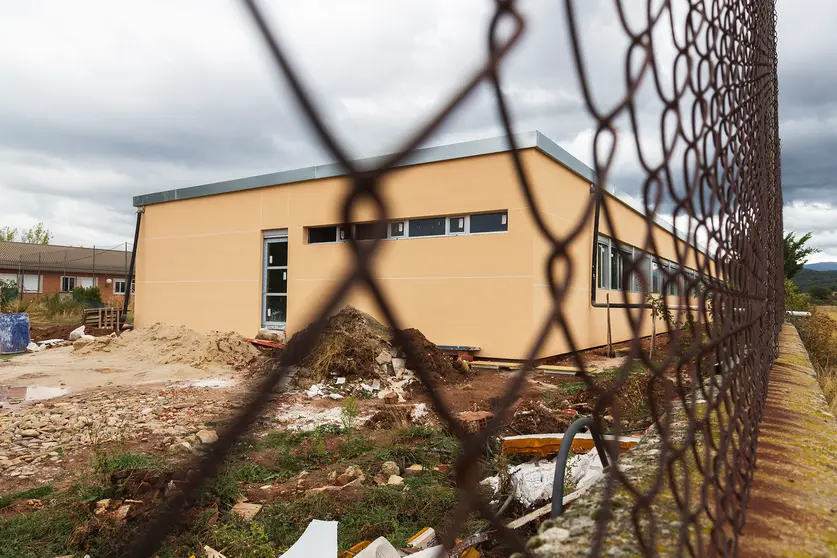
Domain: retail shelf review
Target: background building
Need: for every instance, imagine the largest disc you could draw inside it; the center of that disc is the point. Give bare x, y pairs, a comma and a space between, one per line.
45, 269
462, 259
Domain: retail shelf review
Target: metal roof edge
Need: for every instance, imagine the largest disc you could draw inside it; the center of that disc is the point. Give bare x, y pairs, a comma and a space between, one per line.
424, 155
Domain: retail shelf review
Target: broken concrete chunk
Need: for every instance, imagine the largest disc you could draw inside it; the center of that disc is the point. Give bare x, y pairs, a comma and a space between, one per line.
390, 468
399, 364
395, 480
413, 470
246, 510
383, 357
212, 553
122, 512
33, 347
271, 335
207, 437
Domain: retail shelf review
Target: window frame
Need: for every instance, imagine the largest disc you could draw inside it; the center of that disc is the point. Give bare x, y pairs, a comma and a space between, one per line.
68, 277
40, 287
266, 267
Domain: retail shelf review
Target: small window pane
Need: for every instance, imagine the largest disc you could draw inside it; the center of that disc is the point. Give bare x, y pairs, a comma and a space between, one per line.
344, 233
318, 235
396, 229
615, 270
31, 283
427, 227
602, 266
277, 254
489, 222
276, 308
68, 284
119, 287
277, 281
457, 224
655, 276
370, 231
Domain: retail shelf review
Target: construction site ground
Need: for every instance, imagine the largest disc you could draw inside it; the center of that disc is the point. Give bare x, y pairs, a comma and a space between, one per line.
113, 409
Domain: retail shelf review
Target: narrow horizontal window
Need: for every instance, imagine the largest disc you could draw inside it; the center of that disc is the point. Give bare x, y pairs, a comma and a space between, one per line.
319, 235
489, 222
434, 226
371, 231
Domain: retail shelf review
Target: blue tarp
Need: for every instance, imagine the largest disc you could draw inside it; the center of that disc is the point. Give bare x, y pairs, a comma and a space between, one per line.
14, 333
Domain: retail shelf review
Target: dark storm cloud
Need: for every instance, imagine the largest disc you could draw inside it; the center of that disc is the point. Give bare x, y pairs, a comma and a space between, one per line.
103, 101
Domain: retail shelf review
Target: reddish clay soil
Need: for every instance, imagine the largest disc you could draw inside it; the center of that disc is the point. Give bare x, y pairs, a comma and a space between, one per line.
42, 333
428, 357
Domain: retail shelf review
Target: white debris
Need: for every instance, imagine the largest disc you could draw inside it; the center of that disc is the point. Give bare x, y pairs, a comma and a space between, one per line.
319, 539
586, 469
214, 383
335, 396
51, 342
533, 481
340, 380
303, 417
380, 548
418, 412
77, 333
315, 391
33, 347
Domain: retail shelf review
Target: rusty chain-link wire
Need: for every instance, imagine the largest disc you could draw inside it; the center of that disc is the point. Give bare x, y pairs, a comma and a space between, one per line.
719, 173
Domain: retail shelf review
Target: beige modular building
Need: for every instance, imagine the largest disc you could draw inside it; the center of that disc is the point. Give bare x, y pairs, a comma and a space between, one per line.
461, 260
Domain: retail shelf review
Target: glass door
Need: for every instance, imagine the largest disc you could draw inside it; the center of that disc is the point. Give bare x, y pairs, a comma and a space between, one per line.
275, 283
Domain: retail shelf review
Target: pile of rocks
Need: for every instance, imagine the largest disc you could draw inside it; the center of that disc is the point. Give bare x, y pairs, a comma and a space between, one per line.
35, 439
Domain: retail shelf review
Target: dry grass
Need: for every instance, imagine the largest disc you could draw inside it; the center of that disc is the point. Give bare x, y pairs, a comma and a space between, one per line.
53, 309
348, 347
819, 334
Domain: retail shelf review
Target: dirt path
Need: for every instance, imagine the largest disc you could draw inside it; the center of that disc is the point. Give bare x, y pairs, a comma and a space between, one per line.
61, 368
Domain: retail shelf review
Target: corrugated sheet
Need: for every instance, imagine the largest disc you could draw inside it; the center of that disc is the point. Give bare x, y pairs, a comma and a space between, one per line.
39, 257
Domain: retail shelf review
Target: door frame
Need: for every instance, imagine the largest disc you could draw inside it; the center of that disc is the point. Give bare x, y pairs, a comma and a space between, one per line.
268, 238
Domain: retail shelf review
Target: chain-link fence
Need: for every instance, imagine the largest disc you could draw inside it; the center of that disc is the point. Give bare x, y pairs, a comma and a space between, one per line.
718, 173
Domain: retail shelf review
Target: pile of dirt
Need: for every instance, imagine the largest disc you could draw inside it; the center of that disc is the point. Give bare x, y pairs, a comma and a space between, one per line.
165, 344
38, 333
348, 347
428, 357
354, 345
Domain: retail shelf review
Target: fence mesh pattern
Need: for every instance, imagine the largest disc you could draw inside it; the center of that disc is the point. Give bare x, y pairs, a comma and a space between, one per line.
714, 164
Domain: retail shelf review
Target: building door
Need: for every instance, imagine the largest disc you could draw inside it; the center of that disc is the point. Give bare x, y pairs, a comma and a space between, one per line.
275, 282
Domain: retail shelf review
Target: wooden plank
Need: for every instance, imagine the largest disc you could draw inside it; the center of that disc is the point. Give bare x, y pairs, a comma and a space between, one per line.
495, 365
548, 444
550, 368
547, 509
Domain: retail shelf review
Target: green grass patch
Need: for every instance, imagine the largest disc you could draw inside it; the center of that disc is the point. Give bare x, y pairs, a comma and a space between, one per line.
107, 462
39, 492
38, 534
354, 447
384, 511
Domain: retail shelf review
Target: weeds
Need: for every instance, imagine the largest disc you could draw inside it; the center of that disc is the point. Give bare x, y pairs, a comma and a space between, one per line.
819, 335
349, 412
52, 308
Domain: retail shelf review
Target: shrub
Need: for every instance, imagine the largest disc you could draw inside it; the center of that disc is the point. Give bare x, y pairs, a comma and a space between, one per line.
8, 291
88, 296
794, 299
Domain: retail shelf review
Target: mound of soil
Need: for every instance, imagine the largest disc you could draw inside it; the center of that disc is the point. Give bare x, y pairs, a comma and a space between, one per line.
424, 355
39, 333
348, 347
165, 344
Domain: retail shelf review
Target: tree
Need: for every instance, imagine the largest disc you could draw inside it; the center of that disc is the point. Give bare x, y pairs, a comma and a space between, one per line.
796, 253
820, 293
7, 234
36, 235
794, 299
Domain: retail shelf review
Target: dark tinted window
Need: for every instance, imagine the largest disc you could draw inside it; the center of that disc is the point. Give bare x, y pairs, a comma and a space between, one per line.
318, 235
277, 253
370, 231
457, 224
489, 222
396, 229
427, 227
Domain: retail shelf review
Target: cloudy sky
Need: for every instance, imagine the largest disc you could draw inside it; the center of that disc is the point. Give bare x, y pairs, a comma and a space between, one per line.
105, 100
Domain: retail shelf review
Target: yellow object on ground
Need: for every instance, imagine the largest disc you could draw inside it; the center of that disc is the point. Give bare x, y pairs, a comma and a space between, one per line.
549, 444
